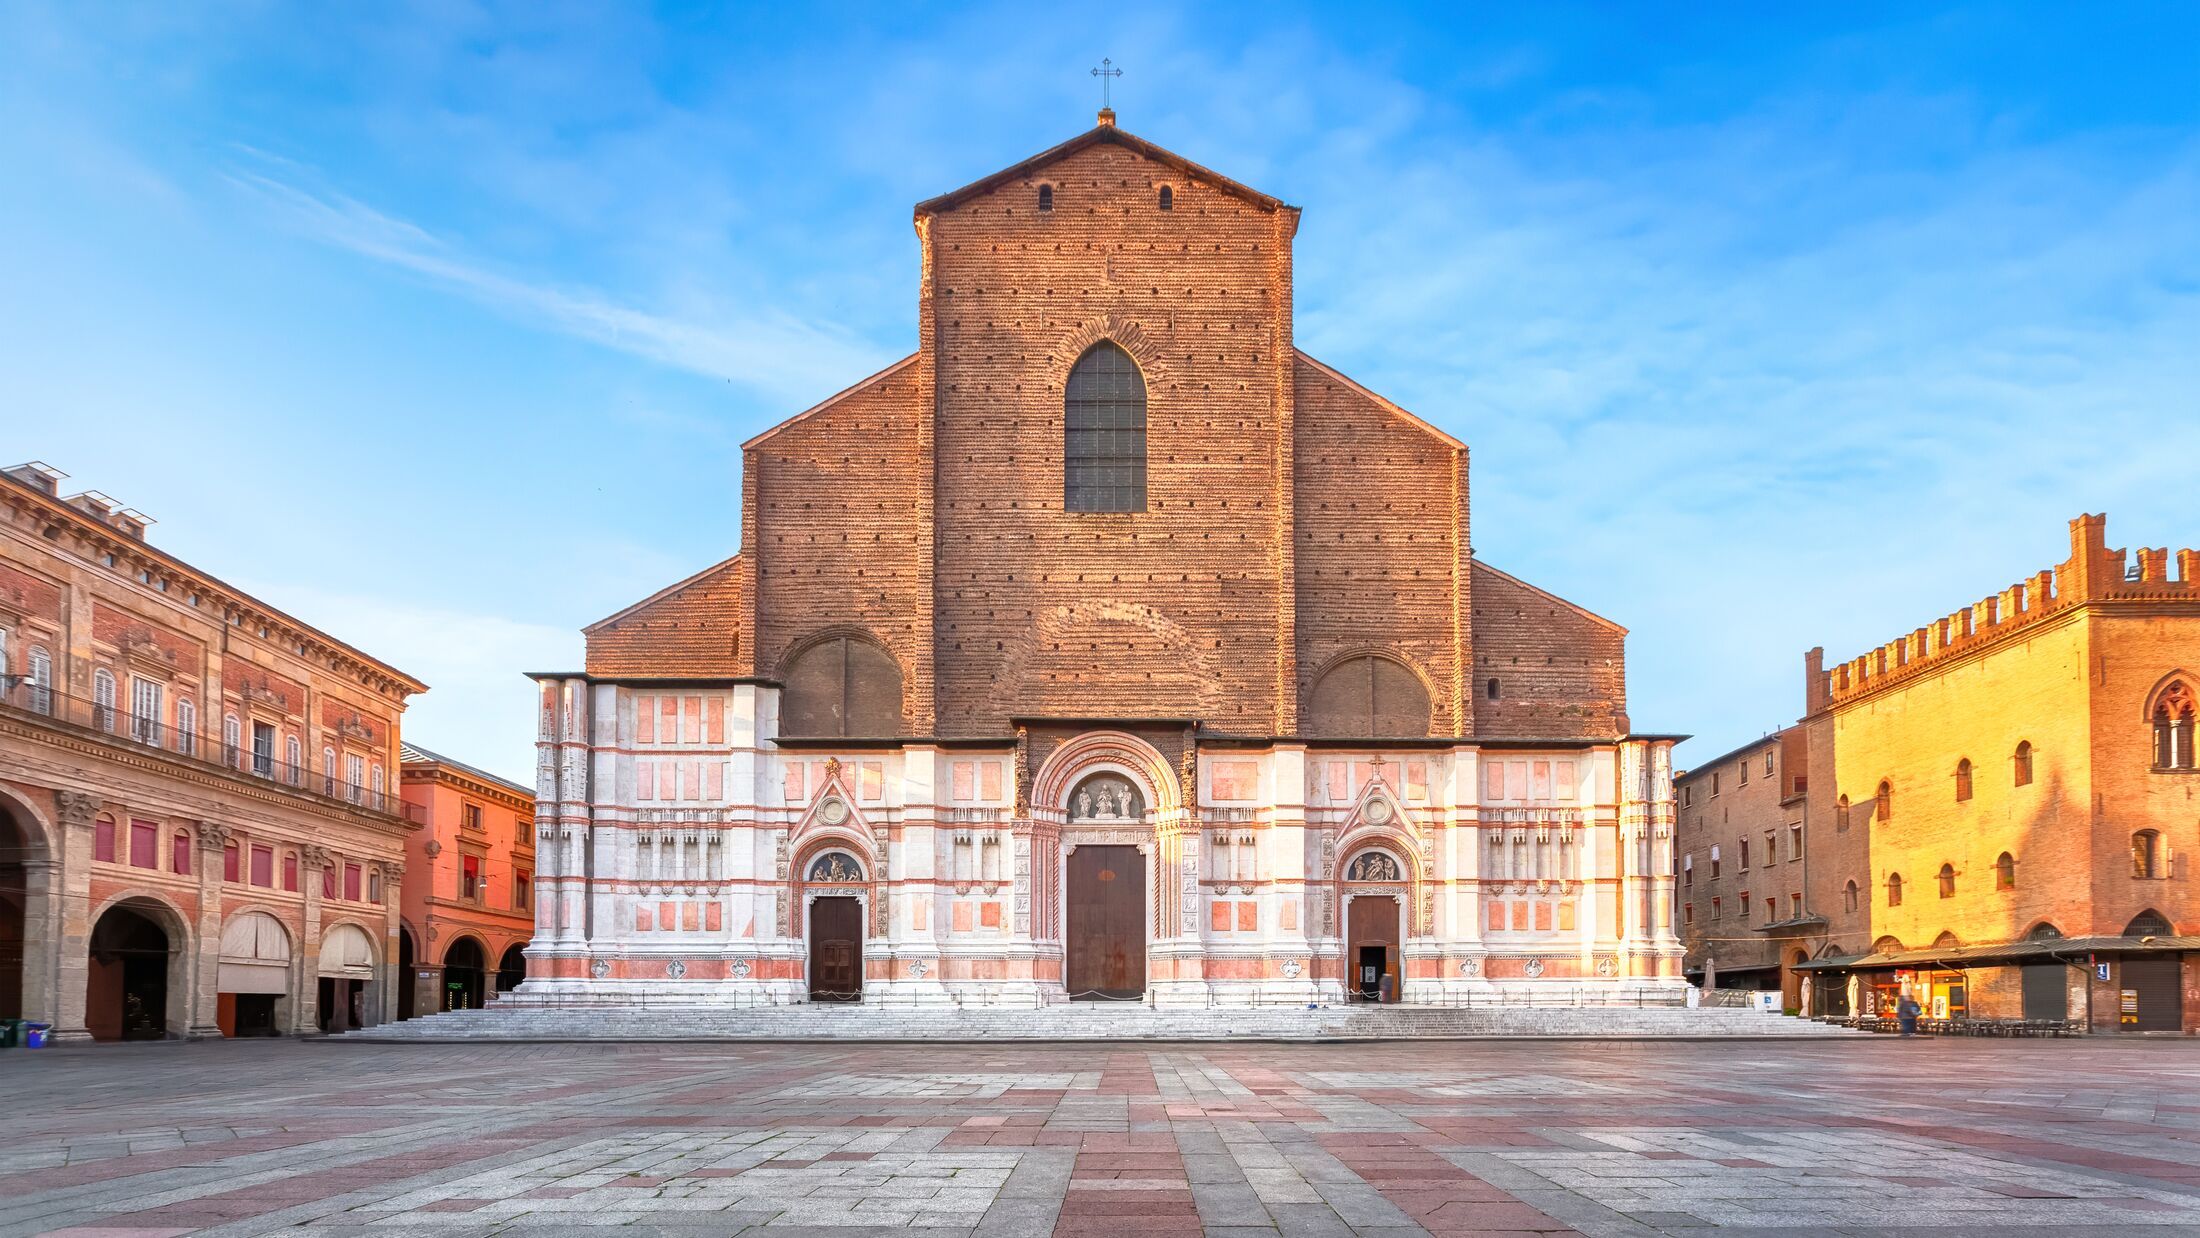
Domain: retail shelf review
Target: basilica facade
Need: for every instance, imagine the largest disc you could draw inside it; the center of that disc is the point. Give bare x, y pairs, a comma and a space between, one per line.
1107, 647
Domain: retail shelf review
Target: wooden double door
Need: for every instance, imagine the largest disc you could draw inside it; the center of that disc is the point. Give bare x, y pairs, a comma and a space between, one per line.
1106, 921
836, 949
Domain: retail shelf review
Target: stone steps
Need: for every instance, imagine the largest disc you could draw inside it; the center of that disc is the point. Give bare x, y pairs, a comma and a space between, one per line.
1080, 1021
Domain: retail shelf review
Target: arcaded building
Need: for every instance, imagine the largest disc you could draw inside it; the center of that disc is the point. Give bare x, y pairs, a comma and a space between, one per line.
469, 908
1107, 646
200, 833
2010, 803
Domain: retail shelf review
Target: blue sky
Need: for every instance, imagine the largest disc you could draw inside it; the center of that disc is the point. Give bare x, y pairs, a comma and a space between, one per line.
1769, 326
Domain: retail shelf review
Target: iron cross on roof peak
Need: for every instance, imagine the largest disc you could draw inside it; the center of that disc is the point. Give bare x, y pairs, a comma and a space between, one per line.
1105, 73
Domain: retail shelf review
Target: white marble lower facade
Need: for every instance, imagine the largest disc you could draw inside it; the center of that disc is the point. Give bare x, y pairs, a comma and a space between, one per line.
684, 854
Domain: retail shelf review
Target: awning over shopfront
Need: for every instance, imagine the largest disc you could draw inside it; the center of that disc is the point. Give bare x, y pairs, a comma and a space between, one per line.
1957, 958
255, 956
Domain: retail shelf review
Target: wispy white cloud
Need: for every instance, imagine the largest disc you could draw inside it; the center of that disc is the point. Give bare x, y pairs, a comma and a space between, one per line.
774, 354
479, 708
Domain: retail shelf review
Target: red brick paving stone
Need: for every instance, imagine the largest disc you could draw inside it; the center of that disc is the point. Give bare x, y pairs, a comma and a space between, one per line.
2023, 1192
846, 1156
1741, 1162
1436, 1194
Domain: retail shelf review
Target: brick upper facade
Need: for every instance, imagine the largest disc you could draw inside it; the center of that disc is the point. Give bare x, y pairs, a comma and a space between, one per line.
1293, 518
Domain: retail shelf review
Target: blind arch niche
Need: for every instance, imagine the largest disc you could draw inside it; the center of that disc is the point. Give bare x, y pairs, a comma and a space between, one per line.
841, 685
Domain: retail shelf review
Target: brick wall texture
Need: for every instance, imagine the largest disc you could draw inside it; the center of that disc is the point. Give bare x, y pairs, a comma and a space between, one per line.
1293, 518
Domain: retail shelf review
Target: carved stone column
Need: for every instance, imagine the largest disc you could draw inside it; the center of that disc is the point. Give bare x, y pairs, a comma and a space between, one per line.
305, 1005
72, 967
380, 1005
206, 964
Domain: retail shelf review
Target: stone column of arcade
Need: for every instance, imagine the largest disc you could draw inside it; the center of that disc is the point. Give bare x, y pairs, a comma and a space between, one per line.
380, 1005
73, 961
205, 996
305, 1000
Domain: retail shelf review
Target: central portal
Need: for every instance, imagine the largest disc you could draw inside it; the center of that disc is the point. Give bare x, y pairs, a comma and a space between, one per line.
1373, 956
1107, 924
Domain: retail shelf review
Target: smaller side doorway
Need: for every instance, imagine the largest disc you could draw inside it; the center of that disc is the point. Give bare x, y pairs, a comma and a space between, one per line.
836, 949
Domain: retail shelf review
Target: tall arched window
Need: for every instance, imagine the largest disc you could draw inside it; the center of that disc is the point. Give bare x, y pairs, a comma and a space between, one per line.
2005, 872
2173, 727
1841, 814
842, 685
2146, 853
1963, 780
1168, 198
1104, 433
2023, 761
1848, 896
103, 699
1883, 801
1046, 197
1947, 881
41, 680
1894, 889
1368, 697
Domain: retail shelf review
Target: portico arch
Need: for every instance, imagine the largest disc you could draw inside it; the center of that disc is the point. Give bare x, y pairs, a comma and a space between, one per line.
138, 973
26, 911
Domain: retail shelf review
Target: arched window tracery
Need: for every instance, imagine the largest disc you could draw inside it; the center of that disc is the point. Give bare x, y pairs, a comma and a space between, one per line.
2173, 719
1104, 433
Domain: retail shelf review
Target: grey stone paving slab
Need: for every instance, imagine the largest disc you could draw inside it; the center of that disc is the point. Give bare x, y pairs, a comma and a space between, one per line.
1614, 1141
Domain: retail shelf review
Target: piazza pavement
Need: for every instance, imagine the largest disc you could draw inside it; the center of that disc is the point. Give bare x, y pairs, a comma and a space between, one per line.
1230, 1140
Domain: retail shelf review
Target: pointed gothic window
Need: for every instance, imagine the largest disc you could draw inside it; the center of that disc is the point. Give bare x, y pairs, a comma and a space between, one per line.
2173, 711
1963, 780
1894, 889
2024, 764
1883, 806
1104, 436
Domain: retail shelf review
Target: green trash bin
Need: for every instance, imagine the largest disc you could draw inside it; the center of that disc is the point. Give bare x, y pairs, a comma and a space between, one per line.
11, 1033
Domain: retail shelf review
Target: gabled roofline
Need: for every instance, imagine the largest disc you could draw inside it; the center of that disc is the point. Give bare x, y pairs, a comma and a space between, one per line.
413, 754
1575, 607
1093, 136
1379, 398
831, 400
665, 592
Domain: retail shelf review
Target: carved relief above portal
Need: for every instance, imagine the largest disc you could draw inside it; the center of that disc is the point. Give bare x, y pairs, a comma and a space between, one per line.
1106, 798
835, 868
1374, 866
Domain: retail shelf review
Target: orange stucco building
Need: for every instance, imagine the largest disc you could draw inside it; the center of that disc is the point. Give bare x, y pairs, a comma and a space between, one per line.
469, 908
2000, 808
197, 832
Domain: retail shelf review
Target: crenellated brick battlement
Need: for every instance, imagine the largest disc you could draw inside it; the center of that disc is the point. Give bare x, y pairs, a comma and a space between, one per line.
2093, 574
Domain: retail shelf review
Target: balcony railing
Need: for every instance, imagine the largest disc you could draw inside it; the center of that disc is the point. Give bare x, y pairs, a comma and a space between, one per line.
197, 747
